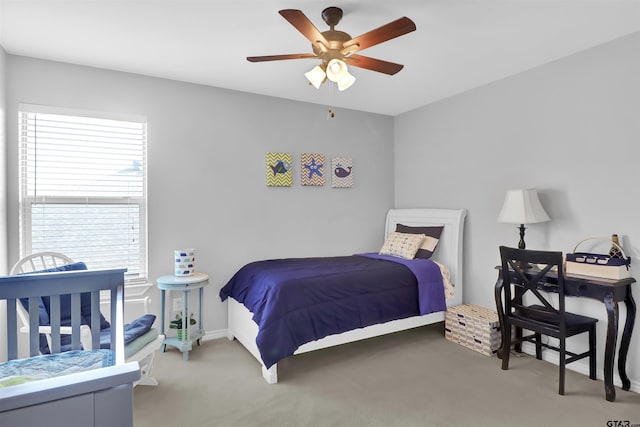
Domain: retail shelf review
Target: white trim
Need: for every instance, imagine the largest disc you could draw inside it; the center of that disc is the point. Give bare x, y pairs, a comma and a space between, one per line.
81, 112
135, 291
214, 335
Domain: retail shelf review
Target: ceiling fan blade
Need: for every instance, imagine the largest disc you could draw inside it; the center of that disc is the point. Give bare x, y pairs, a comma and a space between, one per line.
389, 31
280, 57
373, 64
300, 21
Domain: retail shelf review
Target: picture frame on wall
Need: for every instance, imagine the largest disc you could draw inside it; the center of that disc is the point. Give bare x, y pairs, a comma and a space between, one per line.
312, 169
279, 169
342, 172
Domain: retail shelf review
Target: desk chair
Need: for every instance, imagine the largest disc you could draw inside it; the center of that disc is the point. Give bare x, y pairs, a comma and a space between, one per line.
142, 349
542, 319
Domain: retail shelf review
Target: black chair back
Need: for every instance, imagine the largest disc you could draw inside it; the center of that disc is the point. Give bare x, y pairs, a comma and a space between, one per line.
527, 279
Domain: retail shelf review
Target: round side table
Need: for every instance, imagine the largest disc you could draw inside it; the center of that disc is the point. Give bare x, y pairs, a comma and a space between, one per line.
184, 284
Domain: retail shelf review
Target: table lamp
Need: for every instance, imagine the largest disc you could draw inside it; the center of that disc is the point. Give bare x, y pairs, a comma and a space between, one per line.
522, 207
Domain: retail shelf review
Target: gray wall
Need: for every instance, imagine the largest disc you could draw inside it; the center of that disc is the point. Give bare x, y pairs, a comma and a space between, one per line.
207, 169
569, 128
3, 194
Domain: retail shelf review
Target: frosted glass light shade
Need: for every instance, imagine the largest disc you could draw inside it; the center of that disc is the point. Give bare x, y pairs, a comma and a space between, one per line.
336, 70
522, 207
346, 82
316, 76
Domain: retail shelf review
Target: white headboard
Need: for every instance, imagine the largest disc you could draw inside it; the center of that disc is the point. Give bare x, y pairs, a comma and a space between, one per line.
449, 249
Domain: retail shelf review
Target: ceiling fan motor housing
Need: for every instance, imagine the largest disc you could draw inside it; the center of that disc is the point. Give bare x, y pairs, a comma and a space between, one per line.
336, 40
332, 15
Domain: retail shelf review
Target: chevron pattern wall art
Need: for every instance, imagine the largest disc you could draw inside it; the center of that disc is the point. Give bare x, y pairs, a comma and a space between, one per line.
312, 169
341, 172
279, 169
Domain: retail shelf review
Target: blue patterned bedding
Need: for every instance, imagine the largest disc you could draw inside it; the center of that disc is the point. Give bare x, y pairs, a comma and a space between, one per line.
299, 300
19, 371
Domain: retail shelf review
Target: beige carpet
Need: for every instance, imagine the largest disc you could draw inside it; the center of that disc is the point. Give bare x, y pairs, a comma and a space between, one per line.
411, 378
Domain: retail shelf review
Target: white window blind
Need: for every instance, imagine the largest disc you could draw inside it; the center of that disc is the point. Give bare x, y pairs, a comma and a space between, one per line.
83, 189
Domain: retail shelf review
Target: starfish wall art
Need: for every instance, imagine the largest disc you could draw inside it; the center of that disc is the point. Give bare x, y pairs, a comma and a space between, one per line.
312, 169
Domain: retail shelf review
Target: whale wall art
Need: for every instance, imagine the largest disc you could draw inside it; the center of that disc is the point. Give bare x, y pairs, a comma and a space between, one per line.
342, 172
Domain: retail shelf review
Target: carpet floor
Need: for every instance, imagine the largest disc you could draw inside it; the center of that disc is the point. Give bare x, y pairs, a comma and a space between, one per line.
410, 378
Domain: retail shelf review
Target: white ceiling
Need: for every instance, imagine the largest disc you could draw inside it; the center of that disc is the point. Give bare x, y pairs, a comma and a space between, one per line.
458, 44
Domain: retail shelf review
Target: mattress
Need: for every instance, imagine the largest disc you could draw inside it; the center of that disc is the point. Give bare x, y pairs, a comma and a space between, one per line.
19, 371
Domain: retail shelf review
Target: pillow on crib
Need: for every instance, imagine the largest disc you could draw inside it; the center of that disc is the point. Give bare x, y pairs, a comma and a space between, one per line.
402, 245
65, 306
65, 300
44, 309
430, 242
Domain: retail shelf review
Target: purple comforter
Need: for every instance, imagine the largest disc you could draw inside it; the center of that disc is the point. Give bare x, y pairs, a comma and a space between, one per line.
298, 300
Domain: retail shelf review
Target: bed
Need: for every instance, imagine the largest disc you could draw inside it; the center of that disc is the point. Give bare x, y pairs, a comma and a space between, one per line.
243, 321
89, 388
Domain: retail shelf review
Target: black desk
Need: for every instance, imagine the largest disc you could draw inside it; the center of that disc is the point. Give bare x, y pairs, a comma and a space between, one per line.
608, 291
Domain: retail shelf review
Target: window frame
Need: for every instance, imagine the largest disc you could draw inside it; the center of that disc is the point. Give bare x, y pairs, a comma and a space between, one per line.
27, 202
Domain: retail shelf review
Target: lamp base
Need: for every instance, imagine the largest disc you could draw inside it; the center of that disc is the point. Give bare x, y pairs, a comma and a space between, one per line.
521, 245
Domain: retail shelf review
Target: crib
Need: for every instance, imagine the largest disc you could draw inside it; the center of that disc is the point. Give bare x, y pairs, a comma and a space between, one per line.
97, 389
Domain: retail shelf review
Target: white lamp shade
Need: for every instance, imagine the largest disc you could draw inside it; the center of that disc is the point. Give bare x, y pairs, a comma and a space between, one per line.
346, 82
316, 76
522, 207
336, 70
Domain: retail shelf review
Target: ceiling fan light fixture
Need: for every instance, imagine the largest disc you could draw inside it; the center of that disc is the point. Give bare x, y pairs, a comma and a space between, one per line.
316, 76
334, 47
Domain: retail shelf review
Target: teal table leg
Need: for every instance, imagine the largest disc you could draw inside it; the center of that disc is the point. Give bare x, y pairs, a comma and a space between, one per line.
200, 326
186, 316
162, 301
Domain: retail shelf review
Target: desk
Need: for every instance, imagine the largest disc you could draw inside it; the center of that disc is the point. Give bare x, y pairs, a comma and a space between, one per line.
608, 291
184, 284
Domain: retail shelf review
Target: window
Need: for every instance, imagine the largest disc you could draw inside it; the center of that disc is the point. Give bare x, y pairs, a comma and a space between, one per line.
83, 188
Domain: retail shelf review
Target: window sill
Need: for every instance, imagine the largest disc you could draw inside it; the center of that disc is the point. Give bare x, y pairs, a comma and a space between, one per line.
136, 291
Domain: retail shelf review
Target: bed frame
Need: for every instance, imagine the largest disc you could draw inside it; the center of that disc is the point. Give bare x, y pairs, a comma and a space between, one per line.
449, 252
101, 397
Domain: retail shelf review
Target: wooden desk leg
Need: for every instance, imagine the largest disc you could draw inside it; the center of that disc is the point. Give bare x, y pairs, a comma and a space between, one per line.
500, 309
626, 339
610, 347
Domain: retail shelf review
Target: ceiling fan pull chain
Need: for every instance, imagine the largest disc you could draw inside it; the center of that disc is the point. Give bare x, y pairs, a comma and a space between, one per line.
331, 113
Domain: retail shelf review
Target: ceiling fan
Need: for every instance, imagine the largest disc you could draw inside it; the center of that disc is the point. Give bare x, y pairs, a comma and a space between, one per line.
336, 48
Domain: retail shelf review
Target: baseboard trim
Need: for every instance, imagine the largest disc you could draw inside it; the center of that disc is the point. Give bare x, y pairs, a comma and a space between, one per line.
214, 335
580, 366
